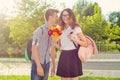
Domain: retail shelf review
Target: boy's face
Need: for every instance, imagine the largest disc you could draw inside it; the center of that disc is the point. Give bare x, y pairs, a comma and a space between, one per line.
54, 18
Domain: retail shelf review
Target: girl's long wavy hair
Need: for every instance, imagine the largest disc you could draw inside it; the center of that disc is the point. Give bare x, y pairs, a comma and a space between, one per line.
72, 19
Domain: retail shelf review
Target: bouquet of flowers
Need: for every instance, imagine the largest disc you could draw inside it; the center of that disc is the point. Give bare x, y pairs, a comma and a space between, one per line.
55, 31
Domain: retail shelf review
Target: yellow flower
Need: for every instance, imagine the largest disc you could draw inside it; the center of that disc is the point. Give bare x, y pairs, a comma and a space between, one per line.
55, 31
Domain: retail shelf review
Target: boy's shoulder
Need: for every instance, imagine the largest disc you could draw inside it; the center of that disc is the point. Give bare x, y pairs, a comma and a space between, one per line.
39, 29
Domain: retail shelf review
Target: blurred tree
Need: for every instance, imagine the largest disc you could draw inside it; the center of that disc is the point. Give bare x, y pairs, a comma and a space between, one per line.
30, 16
114, 18
112, 32
5, 42
88, 10
112, 35
94, 25
79, 6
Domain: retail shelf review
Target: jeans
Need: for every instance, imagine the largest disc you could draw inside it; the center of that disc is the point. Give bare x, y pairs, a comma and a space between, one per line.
35, 76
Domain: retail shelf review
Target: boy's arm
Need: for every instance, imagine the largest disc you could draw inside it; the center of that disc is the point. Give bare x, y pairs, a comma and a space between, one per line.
35, 44
40, 71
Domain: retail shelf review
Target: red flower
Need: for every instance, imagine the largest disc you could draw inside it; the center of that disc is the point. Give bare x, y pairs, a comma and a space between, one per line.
50, 32
55, 31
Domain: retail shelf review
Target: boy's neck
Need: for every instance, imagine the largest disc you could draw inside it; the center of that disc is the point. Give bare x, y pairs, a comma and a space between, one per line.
50, 24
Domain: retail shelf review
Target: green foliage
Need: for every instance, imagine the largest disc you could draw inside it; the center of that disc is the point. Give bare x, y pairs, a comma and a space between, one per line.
88, 10
83, 8
97, 9
29, 18
4, 34
108, 46
79, 6
98, 78
15, 32
20, 30
14, 77
111, 33
55, 78
114, 18
10, 51
94, 26
91, 20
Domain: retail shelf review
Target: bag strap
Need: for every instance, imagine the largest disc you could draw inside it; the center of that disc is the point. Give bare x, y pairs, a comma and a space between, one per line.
42, 30
47, 46
75, 45
42, 33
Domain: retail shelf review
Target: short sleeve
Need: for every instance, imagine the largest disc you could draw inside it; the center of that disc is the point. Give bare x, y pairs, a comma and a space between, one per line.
37, 36
78, 30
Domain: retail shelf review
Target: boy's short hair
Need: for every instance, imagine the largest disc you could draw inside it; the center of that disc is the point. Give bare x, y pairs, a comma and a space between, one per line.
50, 12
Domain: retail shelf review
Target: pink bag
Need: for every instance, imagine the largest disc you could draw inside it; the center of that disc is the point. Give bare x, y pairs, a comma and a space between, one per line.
84, 53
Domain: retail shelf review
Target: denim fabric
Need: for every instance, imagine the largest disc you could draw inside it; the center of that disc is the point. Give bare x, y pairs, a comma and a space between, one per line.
34, 75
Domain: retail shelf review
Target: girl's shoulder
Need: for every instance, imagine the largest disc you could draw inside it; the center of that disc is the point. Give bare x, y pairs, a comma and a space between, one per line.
78, 29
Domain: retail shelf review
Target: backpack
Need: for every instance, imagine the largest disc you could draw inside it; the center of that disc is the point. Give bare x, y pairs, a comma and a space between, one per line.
28, 51
84, 53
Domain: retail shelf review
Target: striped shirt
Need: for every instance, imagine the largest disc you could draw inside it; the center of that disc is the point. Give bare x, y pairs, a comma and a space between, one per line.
43, 41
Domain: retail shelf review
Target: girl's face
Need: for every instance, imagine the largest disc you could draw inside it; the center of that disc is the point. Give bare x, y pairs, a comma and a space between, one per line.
65, 17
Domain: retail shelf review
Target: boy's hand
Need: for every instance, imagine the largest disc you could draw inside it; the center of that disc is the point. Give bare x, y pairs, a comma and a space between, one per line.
40, 71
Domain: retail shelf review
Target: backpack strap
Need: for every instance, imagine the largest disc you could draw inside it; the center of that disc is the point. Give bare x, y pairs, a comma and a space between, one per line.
42, 30
42, 33
77, 47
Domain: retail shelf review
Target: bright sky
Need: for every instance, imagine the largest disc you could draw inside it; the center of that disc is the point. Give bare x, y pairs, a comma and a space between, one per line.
108, 5
6, 6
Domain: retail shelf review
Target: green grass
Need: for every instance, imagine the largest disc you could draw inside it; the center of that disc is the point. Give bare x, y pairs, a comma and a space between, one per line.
54, 78
98, 78
14, 78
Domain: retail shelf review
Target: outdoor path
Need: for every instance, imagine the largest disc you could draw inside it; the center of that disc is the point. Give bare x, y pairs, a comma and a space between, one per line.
106, 66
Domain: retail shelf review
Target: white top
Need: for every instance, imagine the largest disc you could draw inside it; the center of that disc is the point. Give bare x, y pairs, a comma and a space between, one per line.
66, 43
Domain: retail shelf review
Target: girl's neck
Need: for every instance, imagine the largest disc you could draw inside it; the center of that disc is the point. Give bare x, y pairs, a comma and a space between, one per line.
67, 26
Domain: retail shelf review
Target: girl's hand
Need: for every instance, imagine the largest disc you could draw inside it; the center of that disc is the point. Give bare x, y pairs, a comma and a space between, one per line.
71, 37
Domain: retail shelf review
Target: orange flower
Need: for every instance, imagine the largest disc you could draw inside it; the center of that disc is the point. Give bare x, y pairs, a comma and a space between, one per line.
55, 31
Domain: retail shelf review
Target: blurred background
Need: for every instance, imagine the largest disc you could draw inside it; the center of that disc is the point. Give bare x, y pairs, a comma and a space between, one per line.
100, 19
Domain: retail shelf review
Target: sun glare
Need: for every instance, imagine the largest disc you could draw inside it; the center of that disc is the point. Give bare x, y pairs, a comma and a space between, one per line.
7, 6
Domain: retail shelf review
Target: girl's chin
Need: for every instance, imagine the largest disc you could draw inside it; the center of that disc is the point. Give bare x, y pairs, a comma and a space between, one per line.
65, 22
